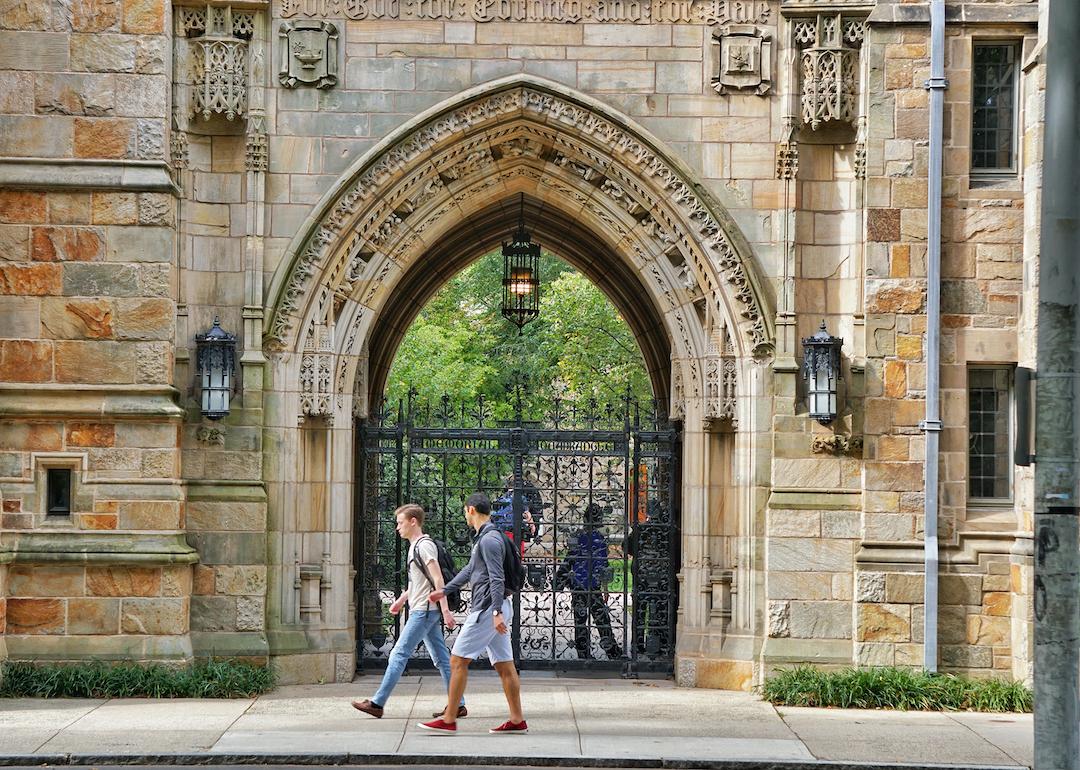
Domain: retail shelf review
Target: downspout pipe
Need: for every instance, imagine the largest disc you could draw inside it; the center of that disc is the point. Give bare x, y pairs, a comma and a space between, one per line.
931, 425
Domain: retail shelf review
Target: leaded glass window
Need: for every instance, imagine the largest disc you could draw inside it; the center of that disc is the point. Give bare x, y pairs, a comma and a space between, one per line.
993, 110
989, 461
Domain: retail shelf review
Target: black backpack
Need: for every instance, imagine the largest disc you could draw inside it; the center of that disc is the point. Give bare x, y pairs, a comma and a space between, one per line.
449, 570
513, 568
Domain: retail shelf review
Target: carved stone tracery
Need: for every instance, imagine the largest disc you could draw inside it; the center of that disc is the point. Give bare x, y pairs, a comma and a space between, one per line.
256, 143
316, 372
219, 38
828, 71
397, 184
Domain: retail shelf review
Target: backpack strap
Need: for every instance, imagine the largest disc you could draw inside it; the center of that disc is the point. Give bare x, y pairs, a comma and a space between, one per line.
420, 562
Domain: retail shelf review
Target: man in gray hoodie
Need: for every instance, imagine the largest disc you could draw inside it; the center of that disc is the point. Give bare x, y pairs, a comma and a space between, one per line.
486, 629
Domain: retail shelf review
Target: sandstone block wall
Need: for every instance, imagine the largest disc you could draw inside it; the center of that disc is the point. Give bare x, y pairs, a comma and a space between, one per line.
87, 319
128, 222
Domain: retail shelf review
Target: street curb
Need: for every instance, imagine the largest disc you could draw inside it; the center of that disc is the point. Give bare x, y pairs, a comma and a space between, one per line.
457, 760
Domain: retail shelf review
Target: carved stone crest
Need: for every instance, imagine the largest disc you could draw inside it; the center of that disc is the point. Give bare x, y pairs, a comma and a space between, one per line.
745, 59
309, 54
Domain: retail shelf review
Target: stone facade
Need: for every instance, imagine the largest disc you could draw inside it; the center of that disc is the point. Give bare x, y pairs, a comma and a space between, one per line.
750, 169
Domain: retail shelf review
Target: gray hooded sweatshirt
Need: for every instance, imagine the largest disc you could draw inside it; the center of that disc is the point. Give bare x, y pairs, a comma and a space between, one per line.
484, 572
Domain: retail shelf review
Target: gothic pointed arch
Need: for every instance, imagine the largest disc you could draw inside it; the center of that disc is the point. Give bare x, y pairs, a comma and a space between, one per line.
563, 149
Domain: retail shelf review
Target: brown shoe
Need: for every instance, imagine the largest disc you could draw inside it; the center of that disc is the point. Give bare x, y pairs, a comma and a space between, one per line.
461, 712
368, 708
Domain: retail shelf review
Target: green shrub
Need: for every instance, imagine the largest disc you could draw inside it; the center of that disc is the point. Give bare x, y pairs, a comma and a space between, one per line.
893, 688
216, 679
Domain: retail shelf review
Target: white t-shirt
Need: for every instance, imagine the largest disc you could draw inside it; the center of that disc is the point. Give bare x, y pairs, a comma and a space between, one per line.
419, 587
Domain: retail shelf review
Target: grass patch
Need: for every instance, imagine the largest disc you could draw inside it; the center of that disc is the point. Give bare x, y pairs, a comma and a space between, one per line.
216, 679
894, 688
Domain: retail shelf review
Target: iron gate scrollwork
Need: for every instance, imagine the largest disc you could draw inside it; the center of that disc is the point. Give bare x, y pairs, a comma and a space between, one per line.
600, 482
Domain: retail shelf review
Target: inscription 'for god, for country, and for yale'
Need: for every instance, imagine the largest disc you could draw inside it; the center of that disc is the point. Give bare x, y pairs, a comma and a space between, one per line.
558, 11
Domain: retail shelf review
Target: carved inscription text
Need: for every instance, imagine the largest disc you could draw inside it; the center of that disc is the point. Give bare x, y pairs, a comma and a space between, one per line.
552, 11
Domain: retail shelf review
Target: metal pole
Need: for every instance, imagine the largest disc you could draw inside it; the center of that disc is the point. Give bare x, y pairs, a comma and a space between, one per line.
931, 426
1057, 419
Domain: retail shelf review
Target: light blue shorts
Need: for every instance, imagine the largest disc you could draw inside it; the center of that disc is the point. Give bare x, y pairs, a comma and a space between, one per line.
478, 636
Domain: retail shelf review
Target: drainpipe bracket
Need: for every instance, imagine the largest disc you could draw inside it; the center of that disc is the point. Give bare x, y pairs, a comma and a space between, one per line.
936, 83
930, 425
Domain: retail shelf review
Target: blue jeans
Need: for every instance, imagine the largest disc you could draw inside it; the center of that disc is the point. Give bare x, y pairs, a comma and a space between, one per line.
422, 625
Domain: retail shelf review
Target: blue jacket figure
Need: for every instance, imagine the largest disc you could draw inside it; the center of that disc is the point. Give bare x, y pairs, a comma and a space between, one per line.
588, 559
587, 571
502, 512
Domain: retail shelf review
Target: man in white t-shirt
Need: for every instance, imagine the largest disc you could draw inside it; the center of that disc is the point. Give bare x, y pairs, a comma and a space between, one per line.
425, 577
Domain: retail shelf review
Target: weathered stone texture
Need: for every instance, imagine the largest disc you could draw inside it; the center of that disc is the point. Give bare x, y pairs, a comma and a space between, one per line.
35, 616
162, 616
87, 434
94, 616
884, 622
123, 581
45, 581
820, 620
104, 362
25, 361
29, 280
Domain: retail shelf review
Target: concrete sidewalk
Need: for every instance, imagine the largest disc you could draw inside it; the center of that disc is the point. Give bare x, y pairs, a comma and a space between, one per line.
571, 721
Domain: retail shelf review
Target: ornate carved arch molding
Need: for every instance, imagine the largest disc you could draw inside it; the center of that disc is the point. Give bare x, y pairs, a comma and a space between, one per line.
415, 178
566, 203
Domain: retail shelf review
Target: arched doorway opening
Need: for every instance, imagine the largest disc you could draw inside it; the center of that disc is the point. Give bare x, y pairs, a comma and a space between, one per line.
614, 202
585, 483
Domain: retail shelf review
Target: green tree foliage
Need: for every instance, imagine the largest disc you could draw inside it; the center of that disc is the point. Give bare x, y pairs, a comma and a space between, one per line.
460, 345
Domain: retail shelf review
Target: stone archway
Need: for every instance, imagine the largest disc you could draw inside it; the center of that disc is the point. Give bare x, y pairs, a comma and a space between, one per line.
390, 233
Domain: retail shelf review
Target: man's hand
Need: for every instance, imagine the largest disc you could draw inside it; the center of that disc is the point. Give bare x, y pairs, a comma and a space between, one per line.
449, 620
436, 596
395, 608
500, 623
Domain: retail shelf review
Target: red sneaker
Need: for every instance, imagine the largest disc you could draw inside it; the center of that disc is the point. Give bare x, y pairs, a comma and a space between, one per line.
510, 727
438, 726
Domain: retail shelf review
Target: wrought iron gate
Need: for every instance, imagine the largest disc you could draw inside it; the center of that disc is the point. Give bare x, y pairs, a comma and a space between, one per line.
601, 485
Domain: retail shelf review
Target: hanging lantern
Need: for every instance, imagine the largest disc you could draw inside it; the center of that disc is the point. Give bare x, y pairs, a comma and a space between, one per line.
521, 275
821, 371
215, 368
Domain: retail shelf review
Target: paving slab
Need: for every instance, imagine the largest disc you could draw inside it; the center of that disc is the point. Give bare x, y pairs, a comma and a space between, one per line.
135, 726
890, 736
27, 724
1012, 733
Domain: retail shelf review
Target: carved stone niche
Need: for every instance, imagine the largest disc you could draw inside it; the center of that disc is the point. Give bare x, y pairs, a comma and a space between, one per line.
219, 38
745, 59
828, 68
309, 54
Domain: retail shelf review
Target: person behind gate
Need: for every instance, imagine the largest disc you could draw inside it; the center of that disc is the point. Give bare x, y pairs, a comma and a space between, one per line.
425, 576
486, 629
587, 572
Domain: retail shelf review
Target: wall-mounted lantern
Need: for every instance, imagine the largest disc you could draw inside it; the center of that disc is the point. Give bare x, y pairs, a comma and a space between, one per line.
521, 275
821, 371
215, 368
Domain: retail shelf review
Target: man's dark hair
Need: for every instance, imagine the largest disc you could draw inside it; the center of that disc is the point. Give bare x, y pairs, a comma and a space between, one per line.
480, 502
